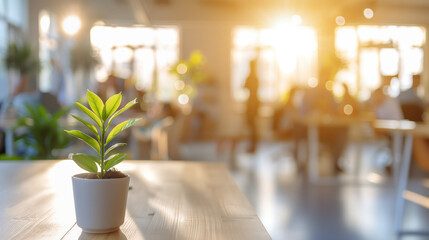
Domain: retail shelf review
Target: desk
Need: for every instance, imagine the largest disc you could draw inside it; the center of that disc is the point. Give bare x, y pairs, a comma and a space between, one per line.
167, 200
313, 124
404, 152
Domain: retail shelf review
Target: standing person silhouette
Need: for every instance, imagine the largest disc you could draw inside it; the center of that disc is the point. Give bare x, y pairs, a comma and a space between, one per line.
252, 104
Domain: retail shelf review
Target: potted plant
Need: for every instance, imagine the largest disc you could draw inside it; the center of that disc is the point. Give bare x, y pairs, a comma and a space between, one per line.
20, 58
101, 195
39, 132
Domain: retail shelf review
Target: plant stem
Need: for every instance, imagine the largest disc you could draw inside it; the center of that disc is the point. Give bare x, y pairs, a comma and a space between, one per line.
103, 131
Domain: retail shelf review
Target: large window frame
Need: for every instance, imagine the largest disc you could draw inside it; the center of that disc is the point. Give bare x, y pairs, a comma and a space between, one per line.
144, 54
371, 51
11, 30
287, 56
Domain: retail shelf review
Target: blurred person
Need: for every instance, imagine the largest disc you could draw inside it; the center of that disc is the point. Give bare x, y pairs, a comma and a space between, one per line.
411, 103
285, 124
252, 104
159, 111
153, 136
319, 102
284, 115
386, 108
413, 107
349, 106
383, 105
166, 132
112, 85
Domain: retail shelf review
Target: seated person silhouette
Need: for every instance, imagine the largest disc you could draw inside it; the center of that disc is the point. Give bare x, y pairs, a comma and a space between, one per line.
412, 104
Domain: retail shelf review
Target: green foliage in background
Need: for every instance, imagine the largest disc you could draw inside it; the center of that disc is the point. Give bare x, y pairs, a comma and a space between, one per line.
40, 132
191, 72
21, 57
102, 115
195, 72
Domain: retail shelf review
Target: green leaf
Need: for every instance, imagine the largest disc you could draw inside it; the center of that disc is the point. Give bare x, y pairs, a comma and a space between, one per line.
126, 107
95, 103
88, 125
91, 157
113, 160
85, 161
121, 127
89, 113
113, 147
87, 139
112, 104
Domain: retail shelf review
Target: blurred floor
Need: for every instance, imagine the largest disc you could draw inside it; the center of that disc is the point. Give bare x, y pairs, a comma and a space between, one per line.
292, 208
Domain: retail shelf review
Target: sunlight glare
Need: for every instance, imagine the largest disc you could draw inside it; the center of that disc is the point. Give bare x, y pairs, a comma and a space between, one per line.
296, 19
291, 42
123, 54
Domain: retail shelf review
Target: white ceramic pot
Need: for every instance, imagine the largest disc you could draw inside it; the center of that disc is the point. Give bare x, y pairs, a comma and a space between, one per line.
100, 203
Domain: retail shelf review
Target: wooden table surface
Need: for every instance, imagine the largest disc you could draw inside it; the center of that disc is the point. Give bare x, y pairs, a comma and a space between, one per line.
167, 200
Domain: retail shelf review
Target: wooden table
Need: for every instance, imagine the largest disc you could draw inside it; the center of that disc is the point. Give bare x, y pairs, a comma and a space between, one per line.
403, 152
167, 200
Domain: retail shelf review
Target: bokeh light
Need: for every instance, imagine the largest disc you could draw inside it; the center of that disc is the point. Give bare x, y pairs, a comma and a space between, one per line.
348, 109
329, 85
312, 82
179, 85
368, 13
183, 99
71, 24
182, 68
340, 20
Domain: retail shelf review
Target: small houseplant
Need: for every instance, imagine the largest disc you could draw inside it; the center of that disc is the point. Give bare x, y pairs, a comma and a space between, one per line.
100, 196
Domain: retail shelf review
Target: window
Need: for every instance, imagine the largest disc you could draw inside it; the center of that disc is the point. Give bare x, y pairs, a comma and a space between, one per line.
48, 41
142, 53
12, 20
15, 12
286, 55
373, 51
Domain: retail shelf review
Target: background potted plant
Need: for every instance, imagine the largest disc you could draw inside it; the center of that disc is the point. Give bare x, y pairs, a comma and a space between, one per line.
100, 196
39, 132
20, 59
